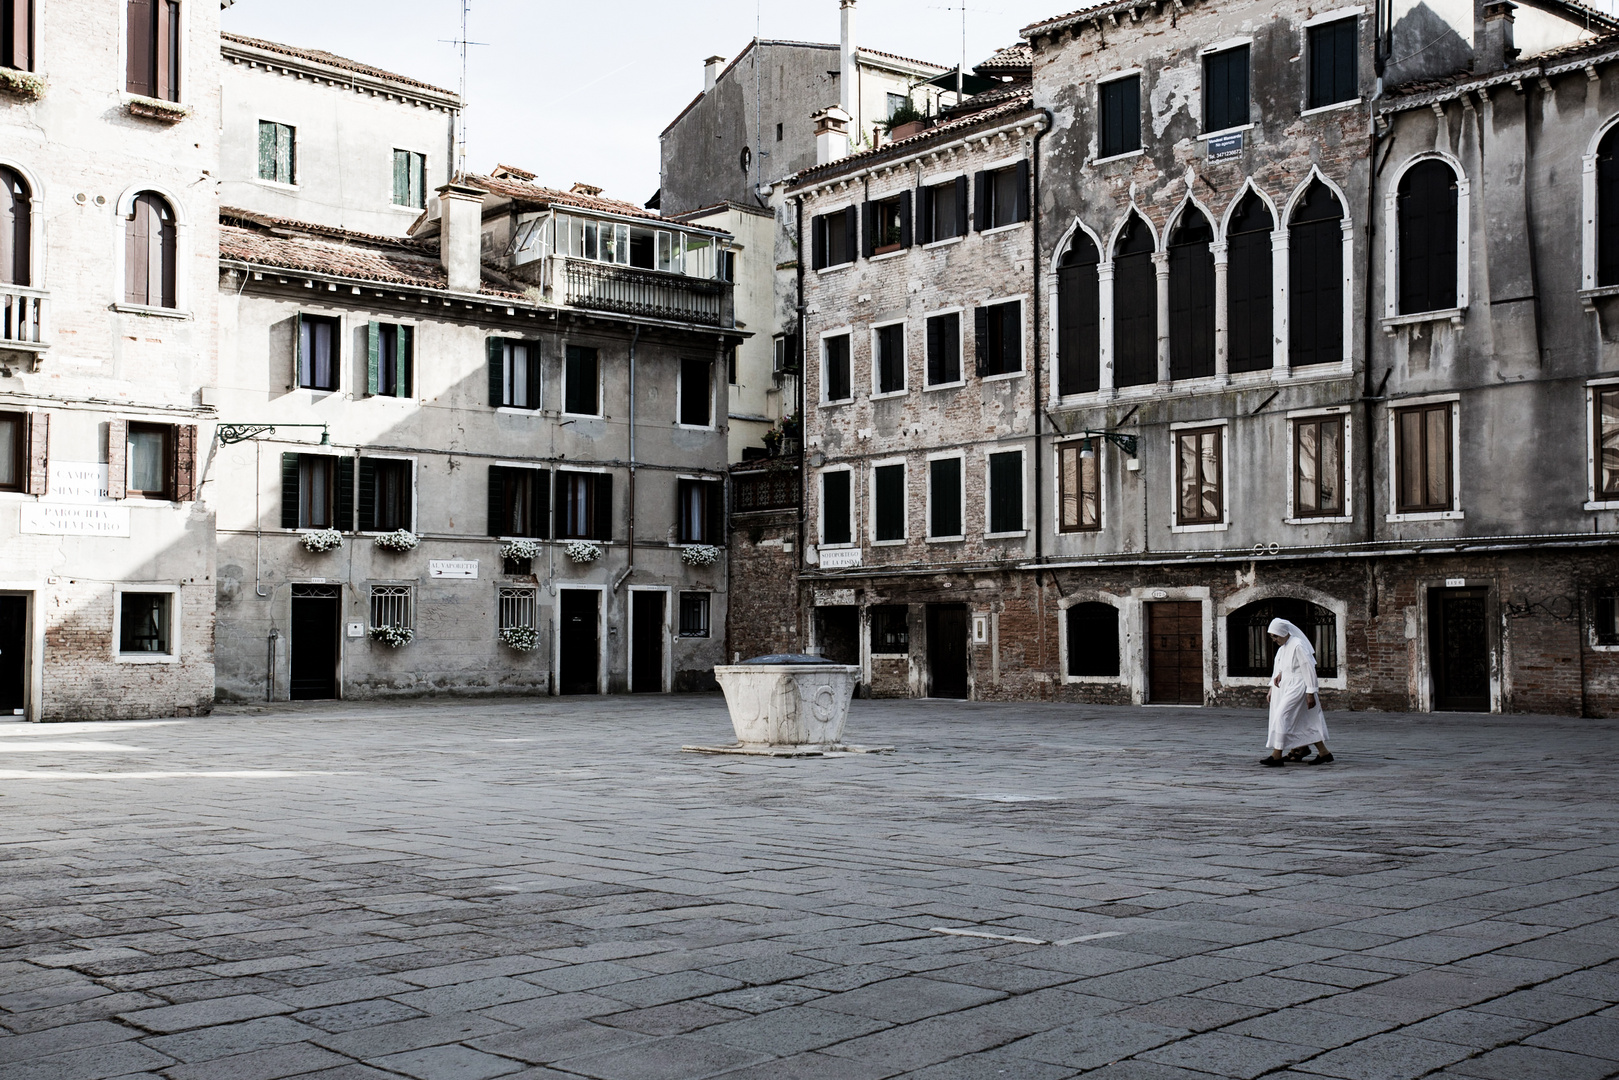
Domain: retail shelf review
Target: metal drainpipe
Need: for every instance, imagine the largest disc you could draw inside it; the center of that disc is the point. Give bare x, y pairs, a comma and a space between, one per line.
803, 382
630, 568
1039, 338
1369, 318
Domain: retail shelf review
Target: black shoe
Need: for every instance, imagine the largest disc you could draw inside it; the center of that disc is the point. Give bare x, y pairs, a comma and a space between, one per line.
1320, 759
1272, 762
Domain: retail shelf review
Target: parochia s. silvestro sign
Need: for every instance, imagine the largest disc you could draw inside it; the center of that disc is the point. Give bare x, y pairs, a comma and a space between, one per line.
74, 519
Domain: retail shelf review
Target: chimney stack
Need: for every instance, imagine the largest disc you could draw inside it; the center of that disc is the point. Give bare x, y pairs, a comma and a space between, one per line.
831, 135
1493, 47
711, 71
460, 236
848, 79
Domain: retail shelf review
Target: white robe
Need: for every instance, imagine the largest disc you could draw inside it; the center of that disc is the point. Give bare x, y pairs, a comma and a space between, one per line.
1292, 722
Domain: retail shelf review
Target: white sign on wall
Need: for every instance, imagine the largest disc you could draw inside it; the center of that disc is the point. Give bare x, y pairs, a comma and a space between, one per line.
452, 568
77, 482
838, 558
71, 519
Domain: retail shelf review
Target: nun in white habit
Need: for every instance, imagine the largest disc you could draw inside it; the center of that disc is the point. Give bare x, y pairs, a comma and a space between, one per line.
1296, 720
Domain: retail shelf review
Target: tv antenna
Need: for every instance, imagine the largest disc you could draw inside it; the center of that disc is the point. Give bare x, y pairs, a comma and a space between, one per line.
461, 114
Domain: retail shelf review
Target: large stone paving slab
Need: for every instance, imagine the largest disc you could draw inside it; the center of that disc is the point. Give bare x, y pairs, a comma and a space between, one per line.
547, 889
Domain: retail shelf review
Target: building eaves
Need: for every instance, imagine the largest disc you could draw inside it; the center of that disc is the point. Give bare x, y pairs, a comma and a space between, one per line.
1580, 54
1015, 59
325, 59
1578, 14
714, 208
532, 194
253, 220
1108, 10
861, 49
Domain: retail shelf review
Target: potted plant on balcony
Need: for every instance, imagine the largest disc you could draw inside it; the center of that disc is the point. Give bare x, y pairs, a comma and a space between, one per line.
399, 540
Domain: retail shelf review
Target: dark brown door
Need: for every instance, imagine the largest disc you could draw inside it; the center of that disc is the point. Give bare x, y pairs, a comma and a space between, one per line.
646, 647
947, 650
837, 632
1175, 653
314, 642
1459, 650
13, 650
580, 642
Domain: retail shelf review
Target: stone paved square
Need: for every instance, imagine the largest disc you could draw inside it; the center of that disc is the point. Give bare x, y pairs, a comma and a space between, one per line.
548, 888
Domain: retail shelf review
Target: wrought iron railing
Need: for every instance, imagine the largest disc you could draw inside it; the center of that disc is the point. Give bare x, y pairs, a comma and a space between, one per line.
769, 489
22, 315
633, 291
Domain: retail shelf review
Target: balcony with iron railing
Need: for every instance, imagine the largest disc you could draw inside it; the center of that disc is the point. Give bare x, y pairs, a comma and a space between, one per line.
655, 294
22, 318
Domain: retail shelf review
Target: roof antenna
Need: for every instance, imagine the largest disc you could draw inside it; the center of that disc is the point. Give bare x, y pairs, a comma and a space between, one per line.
461, 113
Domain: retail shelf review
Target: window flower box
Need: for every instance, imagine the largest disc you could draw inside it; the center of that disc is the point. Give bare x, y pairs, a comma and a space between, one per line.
520, 549
521, 638
583, 551
400, 541
700, 555
167, 112
392, 636
24, 85
321, 540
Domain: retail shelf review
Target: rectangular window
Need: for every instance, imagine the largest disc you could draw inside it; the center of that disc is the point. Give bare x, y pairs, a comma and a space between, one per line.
1606, 426
410, 179
896, 102
584, 506
694, 614
1199, 483
1225, 89
17, 34
832, 238
1422, 465
944, 499
888, 343
1003, 196
390, 355
318, 351
696, 393
153, 53
1006, 492
702, 511
1605, 605
387, 495
835, 368
581, 381
1318, 466
944, 210
519, 501
887, 222
518, 607
1093, 640
13, 451
944, 349
999, 332
1121, 116
836, 527
1334, 56
150, 462
778, 133
890, 632
1079, 488
317, 484
144, 623
730, 364
888, 502
275, 152
391, 605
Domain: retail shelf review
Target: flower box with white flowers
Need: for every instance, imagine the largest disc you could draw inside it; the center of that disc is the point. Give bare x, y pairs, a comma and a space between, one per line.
398, 541
321, 540
700, 555
582, 551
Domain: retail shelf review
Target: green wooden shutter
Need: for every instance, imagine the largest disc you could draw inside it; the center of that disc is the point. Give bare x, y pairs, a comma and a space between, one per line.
366, 495
266, 150
343, 508
603, 526
497, 384
401, 178
297, 349
497, 501
404, 360
373, 357
289, 491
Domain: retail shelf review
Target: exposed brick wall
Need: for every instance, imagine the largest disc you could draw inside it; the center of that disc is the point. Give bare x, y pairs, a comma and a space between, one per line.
762, 616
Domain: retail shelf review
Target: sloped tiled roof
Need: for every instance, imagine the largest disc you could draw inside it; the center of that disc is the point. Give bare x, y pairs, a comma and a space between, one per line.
1413, 94
524, 191
1013, 60
320, 56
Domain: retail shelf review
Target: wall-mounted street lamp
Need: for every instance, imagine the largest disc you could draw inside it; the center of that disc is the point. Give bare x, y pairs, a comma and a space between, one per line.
235, 433
1087, 449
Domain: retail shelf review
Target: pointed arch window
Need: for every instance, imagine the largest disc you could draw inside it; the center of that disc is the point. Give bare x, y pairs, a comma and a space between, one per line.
16, 229
1249, 294
1079, 318
1608, 208
1315, 245
1135, 306
1191, 297
1427, 222
150, 255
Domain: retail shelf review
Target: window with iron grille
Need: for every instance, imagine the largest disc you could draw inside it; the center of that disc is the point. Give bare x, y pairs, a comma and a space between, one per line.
890, 630
1199, 477
276, 152
392, 605
1251, 651
1605, 616
410, 179
694, 614
518, 607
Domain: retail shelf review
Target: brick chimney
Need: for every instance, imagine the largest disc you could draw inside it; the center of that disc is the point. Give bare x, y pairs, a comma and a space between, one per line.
711, 71
848, 78
831, 135
1493, 49
460, 236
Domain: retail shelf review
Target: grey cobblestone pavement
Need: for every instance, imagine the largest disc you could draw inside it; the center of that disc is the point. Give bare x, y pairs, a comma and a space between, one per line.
548, 889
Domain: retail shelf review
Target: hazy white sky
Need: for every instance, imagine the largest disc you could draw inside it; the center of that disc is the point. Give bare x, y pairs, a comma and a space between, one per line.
579, 91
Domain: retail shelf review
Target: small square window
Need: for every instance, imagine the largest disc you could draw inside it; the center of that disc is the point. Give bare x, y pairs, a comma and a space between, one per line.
144, 623
890, 632
410, 179
694, 614
319, 351
150, 462
276, 152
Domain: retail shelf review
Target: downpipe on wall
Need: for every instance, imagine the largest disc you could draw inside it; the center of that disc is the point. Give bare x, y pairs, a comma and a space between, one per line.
630, 568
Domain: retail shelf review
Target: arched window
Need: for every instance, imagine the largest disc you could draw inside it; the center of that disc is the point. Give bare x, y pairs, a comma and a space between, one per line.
16, 229
1315, 286
1135, 306
1079, 318
1608, 208
1248, 286
1191, 297
150, 252
1426, 207
1093, 639
1250, 649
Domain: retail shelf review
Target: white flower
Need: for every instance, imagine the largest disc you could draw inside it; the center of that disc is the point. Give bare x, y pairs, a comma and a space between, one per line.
521, 638
392, 636
321, 540
520, 549
402, 540
583, 551
700, 555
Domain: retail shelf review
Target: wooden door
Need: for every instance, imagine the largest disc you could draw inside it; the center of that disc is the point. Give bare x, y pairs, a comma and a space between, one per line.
646, 644
313, 648
947, 650
580, 642
13, 653
1175, 652
1459, 650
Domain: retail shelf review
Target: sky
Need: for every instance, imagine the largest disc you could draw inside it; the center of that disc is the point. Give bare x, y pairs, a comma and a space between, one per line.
578, 91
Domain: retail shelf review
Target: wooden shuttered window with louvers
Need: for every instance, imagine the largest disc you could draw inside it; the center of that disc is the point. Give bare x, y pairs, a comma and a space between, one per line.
117, 458
17, 34
390, 356
150, 251
184, 484
888, 496
153, 52
1249, 296
519, 501
1426, 218
1191, 298
1079, 318
36, 479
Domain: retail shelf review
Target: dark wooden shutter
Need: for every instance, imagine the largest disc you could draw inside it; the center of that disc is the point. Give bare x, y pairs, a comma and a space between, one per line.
1427, 208
343, 498
1315, 280
1005, 492
185, 463
497, 500
1079, 319
1191, 298
1011, 358
981, 219
141, 52
366, 495
924, 213
404, 360
39, 429
20, 28
868, 229
117, 458
167, 253
497, 382
944, 477
16, 229
1021, 207
935, 354
1608, 208
542, 502
835, 496
851, 232
905, 219
289, 491
602, 528
889, 497
166, 45
373, 358
138, 243
961, 205
534, 396
714, 505
981, 340
1135, 307
818, 243
1249, 296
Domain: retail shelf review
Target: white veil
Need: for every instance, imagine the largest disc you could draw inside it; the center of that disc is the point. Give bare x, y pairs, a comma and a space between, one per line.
1282, 626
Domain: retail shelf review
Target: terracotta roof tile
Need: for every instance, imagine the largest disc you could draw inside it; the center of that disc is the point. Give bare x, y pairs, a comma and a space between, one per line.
1008, 61
509, 187
1401, 96
320, 56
